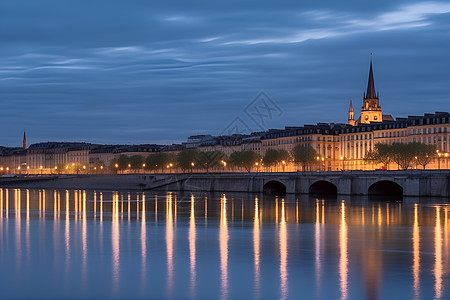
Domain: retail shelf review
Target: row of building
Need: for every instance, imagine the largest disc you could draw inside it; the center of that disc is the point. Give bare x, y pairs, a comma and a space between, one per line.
340, 146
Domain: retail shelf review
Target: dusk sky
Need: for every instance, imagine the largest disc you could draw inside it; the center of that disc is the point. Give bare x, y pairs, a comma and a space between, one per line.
156, 72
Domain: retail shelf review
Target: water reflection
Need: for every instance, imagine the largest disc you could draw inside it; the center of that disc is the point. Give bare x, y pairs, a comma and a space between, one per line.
192, 249
283, 253
438, 270
416, 252
90, 241
257, 249
169, 242
343, 260
223, 239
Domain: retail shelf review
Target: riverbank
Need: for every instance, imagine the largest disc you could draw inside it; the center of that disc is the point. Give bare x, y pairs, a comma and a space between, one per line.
433, 183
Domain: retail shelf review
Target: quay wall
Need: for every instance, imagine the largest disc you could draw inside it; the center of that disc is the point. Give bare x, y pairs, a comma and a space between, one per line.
434, 183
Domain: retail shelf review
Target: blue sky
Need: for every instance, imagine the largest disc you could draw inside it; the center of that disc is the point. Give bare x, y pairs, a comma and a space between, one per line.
159, 71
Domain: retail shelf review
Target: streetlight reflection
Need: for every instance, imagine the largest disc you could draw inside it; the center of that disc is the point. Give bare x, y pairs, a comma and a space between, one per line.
343, 261
256, 249
283, 253
192, 248
223, 240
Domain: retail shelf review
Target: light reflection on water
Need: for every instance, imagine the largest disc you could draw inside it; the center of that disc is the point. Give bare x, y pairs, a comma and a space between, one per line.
102, 244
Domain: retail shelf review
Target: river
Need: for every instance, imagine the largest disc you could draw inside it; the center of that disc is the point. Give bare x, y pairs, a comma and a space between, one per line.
132, 245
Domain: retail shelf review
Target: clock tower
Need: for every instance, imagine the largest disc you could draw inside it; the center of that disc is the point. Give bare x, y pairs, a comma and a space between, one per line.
371, 109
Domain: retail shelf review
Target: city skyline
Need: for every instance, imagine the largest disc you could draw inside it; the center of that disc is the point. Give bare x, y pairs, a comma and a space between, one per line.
150, 78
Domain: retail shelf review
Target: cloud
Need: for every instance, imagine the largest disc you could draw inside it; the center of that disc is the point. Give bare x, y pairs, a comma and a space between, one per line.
168, 71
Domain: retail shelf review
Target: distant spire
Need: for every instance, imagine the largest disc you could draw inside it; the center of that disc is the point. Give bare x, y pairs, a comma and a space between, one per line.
351, 106
371, 94
24, 140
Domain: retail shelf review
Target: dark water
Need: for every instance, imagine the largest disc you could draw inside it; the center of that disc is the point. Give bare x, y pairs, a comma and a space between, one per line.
104, 244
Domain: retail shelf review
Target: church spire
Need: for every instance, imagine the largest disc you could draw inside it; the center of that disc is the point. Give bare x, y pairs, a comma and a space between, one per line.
371, 94
351, 120
24, 140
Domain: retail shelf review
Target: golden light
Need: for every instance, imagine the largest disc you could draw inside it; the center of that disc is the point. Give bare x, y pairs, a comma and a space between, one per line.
283, 162
116, 165
439, 154
28, 167
73, 164
224, 163
7, 168
168, 166
95, 168
84, 167
101, 167
256, 163
192, 164
323, 158
1, 169
18, 168
342, 158
67, 167
171, 165
437, 150
40, 167
143, 165
415, 157
317, 158
56, 167
129, 165
446, 154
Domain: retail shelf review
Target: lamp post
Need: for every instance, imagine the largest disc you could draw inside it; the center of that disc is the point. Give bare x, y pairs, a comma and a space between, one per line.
439, 161
342, 158
446, 160
323, 163
192, 166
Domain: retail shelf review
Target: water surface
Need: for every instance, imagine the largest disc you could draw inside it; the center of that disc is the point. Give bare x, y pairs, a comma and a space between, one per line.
126, 245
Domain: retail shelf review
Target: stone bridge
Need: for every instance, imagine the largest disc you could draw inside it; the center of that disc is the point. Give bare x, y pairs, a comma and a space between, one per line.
401, 183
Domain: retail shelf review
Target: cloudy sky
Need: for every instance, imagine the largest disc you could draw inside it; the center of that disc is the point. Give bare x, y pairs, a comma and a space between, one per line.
159, 71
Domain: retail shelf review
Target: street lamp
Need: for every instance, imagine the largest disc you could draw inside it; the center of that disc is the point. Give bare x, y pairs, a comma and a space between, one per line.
439, 160
342, 158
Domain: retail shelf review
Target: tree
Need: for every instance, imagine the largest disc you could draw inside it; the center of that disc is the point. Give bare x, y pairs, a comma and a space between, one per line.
209, 159
381, 153
305, 155
157, 161
402, 154
114, 165
123, 161
186, 157
274, 157
136, 162
245, 159
99, 167
424, 153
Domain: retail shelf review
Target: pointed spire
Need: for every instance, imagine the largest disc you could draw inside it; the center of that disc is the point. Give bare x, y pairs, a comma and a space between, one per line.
370, 94
24, 140
351, 106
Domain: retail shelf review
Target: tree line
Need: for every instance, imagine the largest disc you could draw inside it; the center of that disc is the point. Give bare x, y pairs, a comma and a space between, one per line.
192, 159
405, 155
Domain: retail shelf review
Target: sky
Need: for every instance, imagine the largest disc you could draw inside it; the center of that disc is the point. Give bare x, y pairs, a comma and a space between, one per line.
132, 72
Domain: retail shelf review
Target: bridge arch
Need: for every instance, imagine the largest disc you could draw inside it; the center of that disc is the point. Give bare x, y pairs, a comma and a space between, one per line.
323, 187
385, 188
274, 187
